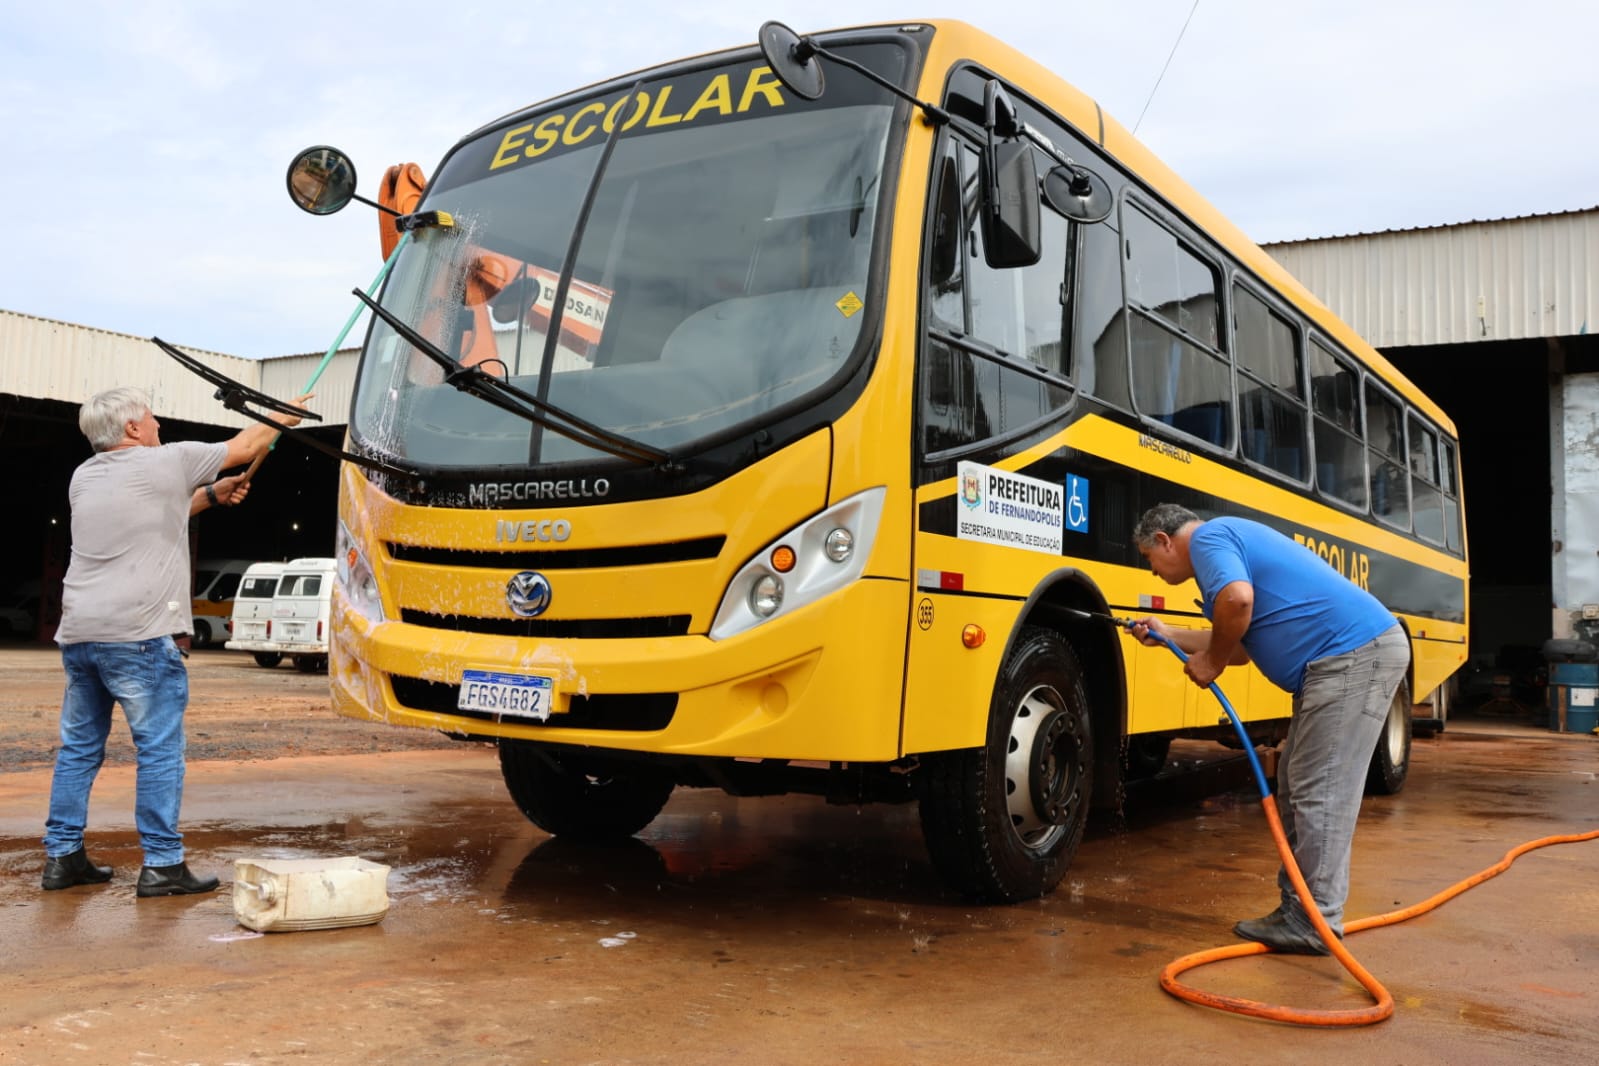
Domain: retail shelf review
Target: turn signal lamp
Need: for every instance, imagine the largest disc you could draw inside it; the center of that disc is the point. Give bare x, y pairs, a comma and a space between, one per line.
973, 636
782, 558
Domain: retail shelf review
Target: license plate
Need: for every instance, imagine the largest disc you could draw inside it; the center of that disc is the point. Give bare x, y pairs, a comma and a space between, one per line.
517, 695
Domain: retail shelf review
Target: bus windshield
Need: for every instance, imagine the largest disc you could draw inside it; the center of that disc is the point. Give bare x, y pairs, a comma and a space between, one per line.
721, 275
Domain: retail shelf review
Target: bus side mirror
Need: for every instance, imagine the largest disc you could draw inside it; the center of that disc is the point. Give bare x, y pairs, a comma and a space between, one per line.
322, 180
1012, 235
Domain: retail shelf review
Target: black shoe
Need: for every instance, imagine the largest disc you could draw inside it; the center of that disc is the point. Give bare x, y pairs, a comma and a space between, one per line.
74, 869
172, 881
1277, 933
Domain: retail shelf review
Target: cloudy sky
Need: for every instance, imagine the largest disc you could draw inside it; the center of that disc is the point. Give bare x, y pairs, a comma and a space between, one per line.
145, 143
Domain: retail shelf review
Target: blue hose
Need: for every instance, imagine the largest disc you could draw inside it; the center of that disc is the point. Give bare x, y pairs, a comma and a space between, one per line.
1226, 705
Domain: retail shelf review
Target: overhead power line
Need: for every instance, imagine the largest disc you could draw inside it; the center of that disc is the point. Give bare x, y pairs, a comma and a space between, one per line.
1175, 43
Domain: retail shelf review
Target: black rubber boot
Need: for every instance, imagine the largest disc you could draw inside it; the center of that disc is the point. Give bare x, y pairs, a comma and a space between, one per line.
73, 869
172, 881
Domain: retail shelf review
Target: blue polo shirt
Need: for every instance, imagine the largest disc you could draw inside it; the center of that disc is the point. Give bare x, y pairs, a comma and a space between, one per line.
1304, 609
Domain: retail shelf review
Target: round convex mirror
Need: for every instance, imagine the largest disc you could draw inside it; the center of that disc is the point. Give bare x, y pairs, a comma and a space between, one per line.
792, 61
321, 180
1081, 195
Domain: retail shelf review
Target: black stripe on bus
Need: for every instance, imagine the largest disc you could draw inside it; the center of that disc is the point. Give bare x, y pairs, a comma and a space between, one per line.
1120, 494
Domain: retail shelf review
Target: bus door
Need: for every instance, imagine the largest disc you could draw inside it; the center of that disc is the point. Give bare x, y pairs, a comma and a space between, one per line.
993, 342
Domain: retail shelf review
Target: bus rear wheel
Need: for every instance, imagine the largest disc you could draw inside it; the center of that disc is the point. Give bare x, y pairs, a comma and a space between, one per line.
268, 659
1390, 763
1003, 822
563, 797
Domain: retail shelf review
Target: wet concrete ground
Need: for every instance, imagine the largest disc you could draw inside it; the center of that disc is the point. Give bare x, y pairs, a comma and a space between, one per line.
785, 931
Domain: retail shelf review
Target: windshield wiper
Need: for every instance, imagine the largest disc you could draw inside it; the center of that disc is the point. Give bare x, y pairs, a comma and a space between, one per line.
508, 397
552, 338
235, 395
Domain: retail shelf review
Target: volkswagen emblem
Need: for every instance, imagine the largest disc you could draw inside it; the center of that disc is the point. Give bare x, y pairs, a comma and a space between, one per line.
528, 594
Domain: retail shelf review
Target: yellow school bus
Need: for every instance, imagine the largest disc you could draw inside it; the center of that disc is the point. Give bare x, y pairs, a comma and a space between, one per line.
768, 420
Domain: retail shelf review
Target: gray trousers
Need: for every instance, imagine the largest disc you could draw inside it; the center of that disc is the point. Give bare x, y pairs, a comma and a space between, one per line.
1321, 775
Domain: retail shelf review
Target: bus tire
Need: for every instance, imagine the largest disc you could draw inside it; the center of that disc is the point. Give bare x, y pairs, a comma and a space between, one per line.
1003, 822
557, 793
268, 659
202, 633
310, 664
1390, 763
1145, 756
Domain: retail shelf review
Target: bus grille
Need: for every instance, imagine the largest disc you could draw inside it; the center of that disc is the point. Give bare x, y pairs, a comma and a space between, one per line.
571, 559
671, 625
642, 712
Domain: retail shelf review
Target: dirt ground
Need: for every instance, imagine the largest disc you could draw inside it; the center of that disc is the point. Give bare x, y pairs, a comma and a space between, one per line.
774, 931
237, 710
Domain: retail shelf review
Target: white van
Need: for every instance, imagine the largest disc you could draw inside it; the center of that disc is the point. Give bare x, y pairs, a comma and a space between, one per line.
251, 625
215, 581
300, 612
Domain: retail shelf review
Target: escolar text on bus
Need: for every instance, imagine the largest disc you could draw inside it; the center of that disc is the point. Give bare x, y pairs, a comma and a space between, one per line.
716, 98
1353, 564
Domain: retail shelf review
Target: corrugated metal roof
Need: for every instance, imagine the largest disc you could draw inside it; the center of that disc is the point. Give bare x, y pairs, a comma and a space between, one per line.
42, 358
1512, 279
1421, 229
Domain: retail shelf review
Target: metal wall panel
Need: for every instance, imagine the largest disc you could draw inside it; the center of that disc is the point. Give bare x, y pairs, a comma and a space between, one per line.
287, 376
1504, 280
41, 358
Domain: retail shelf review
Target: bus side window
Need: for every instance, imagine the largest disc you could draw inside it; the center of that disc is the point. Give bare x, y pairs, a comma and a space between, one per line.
1180, 376
1271, 393
1449, 473
982, 320
1426, 497
1385, 444
1015, 310
1099, 330
946, 268
1335, 403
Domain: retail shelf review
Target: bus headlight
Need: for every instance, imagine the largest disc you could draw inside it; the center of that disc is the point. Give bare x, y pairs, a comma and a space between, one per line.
840, 543
814, 559
355, 577
766, 595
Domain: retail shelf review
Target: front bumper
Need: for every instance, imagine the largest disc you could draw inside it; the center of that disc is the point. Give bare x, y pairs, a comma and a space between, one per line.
823, 683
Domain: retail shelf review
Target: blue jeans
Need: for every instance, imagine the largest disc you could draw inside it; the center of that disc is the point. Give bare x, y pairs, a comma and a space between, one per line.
148, 678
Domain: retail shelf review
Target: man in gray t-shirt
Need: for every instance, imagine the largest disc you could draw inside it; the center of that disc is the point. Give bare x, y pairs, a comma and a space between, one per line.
125, 604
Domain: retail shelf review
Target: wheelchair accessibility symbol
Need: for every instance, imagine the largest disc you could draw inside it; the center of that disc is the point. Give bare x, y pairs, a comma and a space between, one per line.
1076, 503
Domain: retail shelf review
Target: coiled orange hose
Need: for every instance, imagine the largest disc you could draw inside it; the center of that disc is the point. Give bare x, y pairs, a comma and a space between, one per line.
1383, 1008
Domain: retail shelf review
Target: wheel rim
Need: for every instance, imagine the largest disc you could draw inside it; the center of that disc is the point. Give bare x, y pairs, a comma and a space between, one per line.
1041, 768
1394, 733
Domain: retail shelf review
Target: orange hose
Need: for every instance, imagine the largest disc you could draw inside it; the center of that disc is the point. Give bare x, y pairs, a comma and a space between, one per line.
1384, 1005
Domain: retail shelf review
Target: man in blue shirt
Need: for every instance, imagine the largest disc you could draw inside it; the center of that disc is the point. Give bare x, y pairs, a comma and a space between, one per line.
1313, 633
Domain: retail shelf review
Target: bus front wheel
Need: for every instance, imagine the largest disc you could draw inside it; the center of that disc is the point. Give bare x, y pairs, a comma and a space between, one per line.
1390, 763
1002, 822
561, 796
